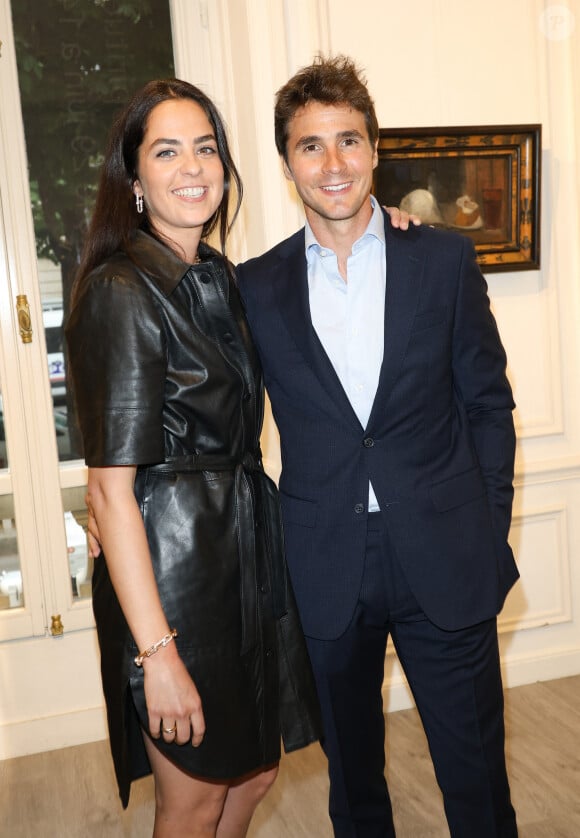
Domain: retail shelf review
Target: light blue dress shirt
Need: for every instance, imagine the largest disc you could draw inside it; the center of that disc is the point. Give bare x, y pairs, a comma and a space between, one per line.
349, 317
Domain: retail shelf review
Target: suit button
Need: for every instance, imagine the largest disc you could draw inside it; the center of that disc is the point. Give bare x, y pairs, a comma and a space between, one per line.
368, 442
359, 508
228, 337
205, 278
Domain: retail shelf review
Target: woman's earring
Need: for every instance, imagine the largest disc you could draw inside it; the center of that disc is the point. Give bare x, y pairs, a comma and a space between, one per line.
139, 203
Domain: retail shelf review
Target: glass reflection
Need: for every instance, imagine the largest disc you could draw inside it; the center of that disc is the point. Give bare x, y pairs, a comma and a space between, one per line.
79, 562
3, 449
75, 521
11, 593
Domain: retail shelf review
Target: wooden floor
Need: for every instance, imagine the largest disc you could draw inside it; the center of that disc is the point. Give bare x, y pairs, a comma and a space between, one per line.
72, 794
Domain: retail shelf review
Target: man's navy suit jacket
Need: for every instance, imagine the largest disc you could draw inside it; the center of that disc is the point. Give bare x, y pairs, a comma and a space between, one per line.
438, 447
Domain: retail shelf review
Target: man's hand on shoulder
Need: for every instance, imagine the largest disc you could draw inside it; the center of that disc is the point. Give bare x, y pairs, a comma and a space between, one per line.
401, 218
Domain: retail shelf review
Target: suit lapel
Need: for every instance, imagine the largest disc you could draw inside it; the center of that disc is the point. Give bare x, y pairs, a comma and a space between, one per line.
405, 265
292, 299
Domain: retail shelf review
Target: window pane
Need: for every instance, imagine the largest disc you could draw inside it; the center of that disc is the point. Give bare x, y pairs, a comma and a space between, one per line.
80, 565
3, 448
75, 522
78, 63
11, 593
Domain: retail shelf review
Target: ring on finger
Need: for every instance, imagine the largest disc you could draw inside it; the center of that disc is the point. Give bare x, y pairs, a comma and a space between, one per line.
170, 730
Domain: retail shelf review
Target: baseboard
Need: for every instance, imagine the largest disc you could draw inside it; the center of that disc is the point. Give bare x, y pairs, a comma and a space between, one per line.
516, 671
529, 668
33, 736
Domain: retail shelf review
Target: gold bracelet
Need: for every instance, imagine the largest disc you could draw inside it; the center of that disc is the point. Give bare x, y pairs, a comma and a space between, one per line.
155, 648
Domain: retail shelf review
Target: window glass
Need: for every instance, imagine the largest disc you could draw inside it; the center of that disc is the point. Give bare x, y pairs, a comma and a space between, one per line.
78, 63
11, 593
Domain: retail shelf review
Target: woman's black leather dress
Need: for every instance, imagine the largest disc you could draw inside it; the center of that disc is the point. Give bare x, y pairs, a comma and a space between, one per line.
166, 377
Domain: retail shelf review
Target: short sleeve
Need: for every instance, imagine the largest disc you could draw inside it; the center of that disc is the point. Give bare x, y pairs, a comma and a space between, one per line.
117, 357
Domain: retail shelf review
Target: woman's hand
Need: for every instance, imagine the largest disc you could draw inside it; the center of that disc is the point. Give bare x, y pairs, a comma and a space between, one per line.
173, 702
401, 218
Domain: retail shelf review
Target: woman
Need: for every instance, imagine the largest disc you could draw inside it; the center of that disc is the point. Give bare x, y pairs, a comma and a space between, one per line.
203, 662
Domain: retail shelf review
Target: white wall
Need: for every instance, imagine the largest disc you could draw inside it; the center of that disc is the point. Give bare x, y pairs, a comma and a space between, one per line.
455, 62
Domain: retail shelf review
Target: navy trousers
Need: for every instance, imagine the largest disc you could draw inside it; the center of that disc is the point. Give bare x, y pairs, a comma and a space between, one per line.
456, 683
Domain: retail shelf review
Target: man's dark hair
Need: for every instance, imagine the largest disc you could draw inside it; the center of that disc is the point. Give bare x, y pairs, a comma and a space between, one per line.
332, 81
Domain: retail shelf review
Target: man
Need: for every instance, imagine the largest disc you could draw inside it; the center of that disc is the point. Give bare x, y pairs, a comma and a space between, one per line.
387, 380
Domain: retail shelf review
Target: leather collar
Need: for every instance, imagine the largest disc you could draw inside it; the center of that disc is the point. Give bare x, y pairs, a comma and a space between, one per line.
164, 267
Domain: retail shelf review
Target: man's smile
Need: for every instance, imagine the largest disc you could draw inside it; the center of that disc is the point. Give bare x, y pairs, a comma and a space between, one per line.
339, 187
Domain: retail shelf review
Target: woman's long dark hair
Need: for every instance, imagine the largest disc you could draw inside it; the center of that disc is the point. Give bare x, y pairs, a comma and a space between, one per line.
115, 218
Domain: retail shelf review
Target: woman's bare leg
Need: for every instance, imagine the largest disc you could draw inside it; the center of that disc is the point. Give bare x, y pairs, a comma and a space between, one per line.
185, 806
241, 801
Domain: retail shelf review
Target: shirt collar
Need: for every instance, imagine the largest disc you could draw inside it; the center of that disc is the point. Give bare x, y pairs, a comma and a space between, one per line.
375, 229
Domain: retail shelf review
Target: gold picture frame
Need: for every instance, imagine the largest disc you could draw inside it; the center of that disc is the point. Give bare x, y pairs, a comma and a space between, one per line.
483, 182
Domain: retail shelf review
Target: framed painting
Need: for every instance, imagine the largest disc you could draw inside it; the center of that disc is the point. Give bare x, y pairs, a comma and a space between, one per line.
483, 182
